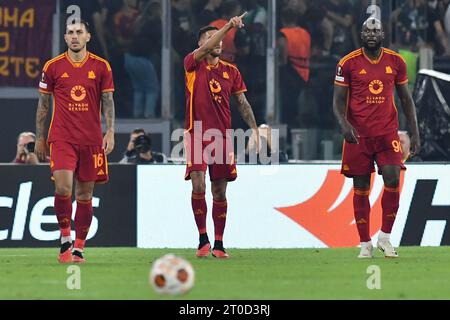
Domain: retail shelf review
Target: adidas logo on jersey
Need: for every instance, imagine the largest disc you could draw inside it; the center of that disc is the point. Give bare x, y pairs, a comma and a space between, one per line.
101, 172
363, 71
65, 75
388, 70
91, 75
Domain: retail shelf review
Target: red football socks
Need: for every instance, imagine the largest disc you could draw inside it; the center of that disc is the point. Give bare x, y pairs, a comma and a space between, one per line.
83, 219
361, 206
220, 218
63, 210
199, 208
390, 203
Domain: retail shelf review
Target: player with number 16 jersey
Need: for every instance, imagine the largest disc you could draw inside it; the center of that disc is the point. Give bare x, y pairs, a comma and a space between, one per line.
81, 84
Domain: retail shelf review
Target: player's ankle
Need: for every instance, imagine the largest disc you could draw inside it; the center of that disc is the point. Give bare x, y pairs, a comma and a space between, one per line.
218, 245
384, 236
66, 239
77, 252
203, 238
65, 246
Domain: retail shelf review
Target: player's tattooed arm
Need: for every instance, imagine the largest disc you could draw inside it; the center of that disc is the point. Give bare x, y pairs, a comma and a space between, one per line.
41, 114
246, 111
109, 114
108, 109
41, 117
409, 109
211, 43
339, 108
247, 114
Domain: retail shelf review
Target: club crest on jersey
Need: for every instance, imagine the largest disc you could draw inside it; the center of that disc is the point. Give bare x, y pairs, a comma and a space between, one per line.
214, 86
91, 75
78, 93
376, 86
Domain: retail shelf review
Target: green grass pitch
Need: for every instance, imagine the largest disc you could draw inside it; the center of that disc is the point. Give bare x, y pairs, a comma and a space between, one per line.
122, 273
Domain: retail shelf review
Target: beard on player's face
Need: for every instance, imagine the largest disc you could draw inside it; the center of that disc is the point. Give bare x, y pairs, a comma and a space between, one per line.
372, 43
372, 46
77, 48
216, 53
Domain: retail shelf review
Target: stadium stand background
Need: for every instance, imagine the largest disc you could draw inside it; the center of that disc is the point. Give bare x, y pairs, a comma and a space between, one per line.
168, 32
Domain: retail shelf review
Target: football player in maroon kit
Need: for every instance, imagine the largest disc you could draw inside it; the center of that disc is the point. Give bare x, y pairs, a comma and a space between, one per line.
364, 106
81, 84
210, 82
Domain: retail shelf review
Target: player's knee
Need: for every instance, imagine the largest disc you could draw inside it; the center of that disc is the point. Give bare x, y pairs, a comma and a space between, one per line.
219, 195
392, 181
63, 190
199, 187
83, 195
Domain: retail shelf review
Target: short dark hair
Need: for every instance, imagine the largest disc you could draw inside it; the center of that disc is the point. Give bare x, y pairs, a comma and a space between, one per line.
204, 30
138, 130
80, 21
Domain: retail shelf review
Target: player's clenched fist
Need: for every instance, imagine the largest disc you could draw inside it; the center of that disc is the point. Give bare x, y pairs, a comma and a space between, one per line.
108, 142
349, 133
41, 149
236, 22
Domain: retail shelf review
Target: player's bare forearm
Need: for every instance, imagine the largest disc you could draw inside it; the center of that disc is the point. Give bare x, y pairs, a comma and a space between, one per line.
246, 111
208, 46
339, 104
108, 110
339, 108
41, 115
409, 108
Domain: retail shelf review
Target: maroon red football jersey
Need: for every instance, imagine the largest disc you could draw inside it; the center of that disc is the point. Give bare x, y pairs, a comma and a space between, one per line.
208, 92
371, 108
76, 89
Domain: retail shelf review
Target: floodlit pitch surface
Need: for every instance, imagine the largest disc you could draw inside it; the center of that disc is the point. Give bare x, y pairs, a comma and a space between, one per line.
122, 273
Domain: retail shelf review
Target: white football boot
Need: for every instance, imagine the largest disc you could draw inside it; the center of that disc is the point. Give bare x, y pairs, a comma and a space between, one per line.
366, 250
385, 246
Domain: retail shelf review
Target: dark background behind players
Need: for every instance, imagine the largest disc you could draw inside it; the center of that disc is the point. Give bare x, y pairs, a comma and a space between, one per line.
139, 150
25, 149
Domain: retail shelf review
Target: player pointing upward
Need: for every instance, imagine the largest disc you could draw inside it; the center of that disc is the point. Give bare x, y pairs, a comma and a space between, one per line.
210, 82
364, 106
81, 84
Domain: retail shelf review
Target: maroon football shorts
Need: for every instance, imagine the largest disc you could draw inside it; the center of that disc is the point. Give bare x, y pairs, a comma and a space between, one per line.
89, 163
358, 159
221, 166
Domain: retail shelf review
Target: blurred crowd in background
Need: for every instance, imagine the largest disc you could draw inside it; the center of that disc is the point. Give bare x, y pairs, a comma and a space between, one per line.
312, 35
129, 34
